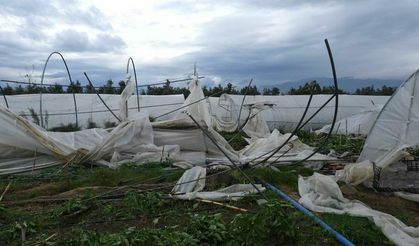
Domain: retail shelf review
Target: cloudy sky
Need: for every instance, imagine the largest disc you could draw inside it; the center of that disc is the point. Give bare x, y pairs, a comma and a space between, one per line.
270, 41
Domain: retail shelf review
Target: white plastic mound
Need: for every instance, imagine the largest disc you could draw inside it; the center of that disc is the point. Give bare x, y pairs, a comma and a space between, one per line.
320, 193
192, 183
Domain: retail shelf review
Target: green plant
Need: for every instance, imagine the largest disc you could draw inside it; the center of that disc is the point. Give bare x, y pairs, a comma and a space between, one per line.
34, 116
143, 202
339, 143
208, 229
25, 228
133, 236
91, 124
109, 124
71, 207
70, 127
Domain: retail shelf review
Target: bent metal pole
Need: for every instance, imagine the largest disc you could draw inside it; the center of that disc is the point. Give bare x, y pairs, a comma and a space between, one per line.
109, 109
4, 96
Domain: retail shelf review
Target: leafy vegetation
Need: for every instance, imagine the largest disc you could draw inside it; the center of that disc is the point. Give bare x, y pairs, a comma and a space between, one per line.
143, 214
339, 143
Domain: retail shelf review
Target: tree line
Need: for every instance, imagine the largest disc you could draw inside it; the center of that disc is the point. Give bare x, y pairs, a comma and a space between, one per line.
168, 89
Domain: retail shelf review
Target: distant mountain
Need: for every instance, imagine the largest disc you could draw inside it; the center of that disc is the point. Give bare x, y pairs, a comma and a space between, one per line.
347, 84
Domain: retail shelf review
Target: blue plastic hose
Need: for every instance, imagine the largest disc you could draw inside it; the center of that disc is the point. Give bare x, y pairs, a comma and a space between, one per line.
339, 237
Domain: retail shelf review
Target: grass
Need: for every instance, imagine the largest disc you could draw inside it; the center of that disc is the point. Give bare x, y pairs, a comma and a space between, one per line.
359, 230
75, 177
139, 218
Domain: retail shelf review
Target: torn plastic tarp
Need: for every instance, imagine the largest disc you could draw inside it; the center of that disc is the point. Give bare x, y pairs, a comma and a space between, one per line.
190, 186
131, 140
320, 193
134, 140
21, 139
395, 129
226, 117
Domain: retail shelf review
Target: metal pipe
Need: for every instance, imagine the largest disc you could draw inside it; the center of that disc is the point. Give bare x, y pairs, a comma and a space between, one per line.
339, 237
42, 82
4, 96
114, 87
241, 106
136, 82
90, 82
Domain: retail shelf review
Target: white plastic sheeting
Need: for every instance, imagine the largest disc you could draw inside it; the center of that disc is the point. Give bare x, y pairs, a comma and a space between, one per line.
358, 124
396, 127
192, 183
136, 140
286, 110
130, 141
320, 193
60, 107
226, 119
296, 149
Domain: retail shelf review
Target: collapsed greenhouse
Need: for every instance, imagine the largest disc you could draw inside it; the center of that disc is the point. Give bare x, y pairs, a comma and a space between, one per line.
188, 134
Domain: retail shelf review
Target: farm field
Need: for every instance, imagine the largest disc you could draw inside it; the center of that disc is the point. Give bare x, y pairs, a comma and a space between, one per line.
80, 205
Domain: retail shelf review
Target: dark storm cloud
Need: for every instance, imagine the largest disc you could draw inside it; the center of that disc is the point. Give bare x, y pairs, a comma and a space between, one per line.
46, 12
75, 41
29, 43
369, 39
271, 41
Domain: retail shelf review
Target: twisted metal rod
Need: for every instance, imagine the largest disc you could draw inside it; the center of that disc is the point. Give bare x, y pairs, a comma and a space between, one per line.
297, 128
336, 95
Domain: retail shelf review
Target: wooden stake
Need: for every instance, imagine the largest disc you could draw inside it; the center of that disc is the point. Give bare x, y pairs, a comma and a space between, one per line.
224, 205
5, 190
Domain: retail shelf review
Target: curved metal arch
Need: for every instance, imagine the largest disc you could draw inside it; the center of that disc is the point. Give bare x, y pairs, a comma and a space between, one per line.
136, 82
336, 95
42, 82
